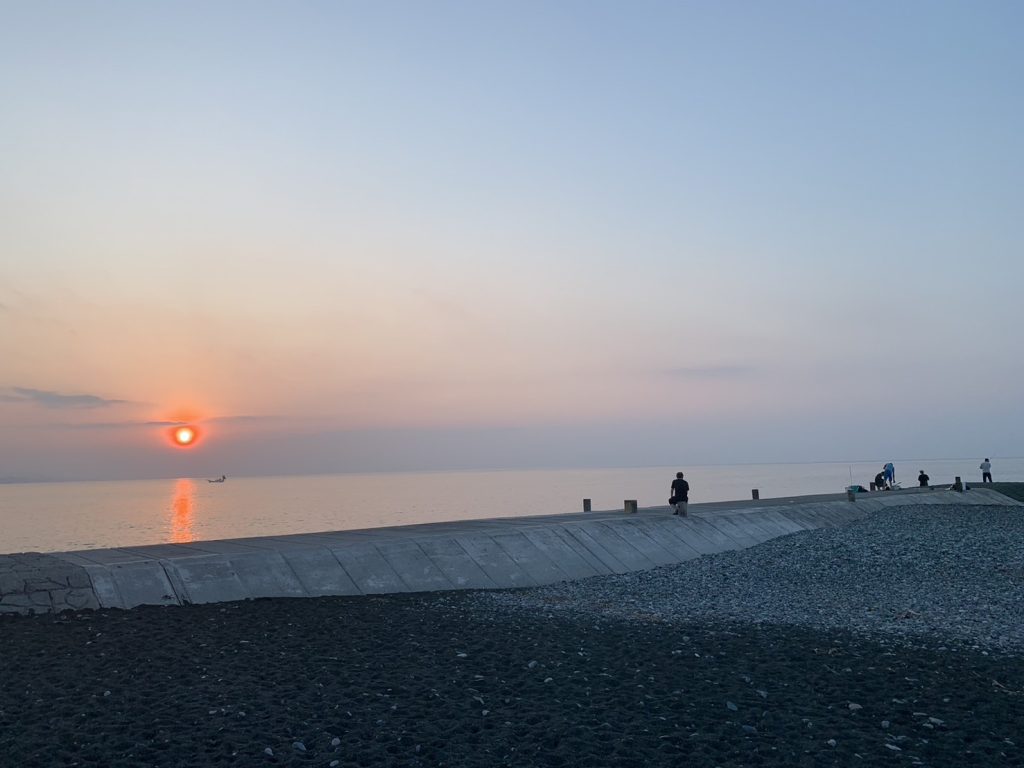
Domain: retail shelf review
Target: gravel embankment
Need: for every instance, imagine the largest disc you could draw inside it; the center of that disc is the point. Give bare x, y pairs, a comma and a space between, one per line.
743, 659
926, 575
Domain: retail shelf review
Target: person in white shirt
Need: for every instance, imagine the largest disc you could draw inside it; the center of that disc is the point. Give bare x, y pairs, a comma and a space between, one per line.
986, 471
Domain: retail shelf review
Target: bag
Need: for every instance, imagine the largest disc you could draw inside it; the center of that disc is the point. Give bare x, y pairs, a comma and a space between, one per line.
673, 500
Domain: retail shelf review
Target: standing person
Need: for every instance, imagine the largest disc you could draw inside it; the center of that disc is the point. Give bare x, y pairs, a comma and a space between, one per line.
890, 474
986, 471
922, 479
680, 500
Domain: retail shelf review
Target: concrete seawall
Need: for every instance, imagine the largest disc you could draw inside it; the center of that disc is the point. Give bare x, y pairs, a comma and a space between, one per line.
468, 554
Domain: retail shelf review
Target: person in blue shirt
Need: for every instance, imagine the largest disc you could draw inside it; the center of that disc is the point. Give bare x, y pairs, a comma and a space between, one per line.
890, 474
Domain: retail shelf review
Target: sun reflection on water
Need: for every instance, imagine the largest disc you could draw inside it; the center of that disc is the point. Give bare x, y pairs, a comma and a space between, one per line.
183, 512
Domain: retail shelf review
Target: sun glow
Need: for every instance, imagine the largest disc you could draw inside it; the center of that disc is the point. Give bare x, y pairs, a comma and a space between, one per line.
184, 436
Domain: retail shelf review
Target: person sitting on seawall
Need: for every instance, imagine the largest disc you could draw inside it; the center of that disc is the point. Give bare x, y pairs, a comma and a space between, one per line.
922, 479
680, 500
986, 471
880, 481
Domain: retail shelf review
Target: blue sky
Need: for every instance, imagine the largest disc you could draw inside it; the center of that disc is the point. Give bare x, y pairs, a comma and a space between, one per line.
780, 231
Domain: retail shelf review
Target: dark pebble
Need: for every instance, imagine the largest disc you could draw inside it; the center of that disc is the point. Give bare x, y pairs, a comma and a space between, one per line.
380, 675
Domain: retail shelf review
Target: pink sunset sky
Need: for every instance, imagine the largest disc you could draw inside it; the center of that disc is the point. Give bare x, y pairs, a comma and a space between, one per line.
351, 237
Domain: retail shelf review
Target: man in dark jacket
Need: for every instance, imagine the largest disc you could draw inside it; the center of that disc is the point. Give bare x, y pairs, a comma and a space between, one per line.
680, 500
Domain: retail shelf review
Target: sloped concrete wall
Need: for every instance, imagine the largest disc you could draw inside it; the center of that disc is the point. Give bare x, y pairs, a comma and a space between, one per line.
471, 554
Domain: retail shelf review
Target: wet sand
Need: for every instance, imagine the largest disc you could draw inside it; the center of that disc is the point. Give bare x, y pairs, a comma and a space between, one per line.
442, 680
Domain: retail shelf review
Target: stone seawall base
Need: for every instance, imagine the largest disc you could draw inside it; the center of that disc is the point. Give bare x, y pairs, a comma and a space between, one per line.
469, 554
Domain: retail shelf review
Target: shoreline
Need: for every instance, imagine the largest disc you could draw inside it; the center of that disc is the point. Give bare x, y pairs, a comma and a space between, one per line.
471, 554
664, 667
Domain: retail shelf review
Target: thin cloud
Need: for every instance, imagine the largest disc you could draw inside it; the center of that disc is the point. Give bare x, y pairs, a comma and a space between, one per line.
138, 424
711, 371
237, 419
56, 400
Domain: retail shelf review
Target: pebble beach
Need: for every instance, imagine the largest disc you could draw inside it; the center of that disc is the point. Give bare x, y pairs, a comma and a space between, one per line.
897, 639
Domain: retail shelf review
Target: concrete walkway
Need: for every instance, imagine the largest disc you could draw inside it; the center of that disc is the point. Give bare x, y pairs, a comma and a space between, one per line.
468, 554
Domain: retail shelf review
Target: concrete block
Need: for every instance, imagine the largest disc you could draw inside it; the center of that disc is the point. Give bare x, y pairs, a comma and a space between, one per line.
107, 556
604, 533
779, 517
74, 559
530, 557
652, 549
703, 526
838, 516
367, 567
104, 586
495, 562
455, 563
759, 520
162, 551
266, 574
142, 583
803, 517
662, 531
224, 547
413, 567
319, 572
582, 535
571, 557
207, 579
743, 536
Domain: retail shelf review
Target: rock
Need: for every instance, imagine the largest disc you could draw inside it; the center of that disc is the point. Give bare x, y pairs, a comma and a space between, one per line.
269, 752
731, 706
831, 742
335, 741
298, 746
855, 707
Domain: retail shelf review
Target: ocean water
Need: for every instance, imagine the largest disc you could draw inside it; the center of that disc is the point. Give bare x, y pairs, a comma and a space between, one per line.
49, 517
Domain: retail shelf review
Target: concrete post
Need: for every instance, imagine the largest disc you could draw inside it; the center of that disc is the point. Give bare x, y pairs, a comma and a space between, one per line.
755, 494
958, 484
586, 505
851, 496
630, 506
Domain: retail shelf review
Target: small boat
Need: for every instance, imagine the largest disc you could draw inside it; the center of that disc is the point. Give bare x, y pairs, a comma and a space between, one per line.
220, 479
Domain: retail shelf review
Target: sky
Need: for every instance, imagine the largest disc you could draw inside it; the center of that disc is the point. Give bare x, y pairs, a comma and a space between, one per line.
353, 236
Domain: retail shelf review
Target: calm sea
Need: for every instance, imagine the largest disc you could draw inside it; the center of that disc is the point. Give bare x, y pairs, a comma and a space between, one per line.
49, 517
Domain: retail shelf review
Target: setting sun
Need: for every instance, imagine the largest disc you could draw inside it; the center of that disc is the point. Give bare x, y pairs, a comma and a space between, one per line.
184, 436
